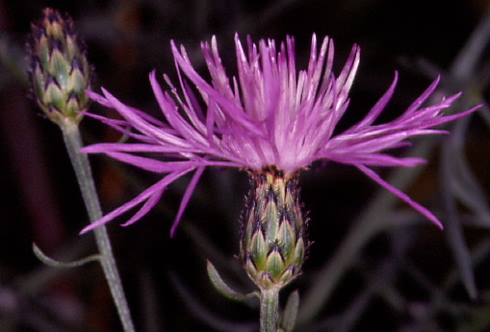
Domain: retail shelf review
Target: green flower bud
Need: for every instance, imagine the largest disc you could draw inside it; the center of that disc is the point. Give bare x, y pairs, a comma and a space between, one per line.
59, 71
273, 241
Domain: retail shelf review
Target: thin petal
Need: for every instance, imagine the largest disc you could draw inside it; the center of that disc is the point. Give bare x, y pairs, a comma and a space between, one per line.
377, 108
234, 111
142, 125
400, 194
133, 147
149, 204
152, 164
160, 185
185, 198
174, 118
375, 159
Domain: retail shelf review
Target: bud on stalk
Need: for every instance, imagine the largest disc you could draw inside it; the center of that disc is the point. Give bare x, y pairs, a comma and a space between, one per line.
273, 241
59, 70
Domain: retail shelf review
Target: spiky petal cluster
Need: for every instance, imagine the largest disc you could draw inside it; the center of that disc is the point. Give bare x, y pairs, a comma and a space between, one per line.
59, 71
269, 114
273, 240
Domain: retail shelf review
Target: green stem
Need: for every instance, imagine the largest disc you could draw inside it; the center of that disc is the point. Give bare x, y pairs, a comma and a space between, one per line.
73, 142
269, 310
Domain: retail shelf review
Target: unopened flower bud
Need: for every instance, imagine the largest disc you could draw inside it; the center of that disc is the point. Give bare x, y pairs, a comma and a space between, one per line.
273, 241
59, 71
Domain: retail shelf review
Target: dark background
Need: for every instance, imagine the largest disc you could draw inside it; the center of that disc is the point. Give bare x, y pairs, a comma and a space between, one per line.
395, 279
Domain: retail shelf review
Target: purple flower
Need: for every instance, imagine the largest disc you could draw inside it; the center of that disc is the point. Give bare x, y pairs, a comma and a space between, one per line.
269, 114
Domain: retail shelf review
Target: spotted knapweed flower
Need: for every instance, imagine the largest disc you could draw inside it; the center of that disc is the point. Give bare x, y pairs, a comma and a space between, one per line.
272, 121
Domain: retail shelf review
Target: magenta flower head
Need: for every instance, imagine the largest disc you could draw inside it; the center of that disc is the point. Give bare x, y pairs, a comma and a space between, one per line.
269, 119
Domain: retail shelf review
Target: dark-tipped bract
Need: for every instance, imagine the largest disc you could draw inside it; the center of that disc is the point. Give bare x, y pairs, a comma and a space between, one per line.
59, 71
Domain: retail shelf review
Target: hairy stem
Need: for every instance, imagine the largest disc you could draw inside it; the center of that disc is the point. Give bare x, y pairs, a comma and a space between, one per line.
73, 142
269, 310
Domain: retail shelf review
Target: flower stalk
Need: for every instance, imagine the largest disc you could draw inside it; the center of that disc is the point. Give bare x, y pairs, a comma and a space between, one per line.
269, 310
80, 163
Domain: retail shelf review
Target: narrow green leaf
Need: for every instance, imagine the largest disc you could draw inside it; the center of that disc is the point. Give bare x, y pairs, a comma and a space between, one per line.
65, 265
223, 288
